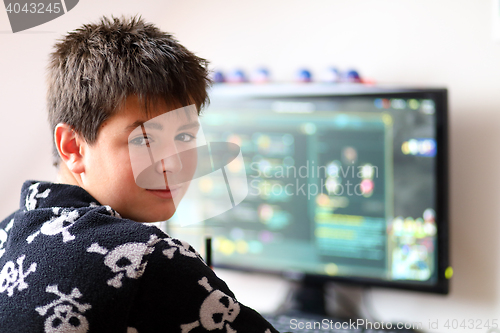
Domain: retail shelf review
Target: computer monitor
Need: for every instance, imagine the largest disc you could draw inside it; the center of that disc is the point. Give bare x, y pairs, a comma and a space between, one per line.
346, 183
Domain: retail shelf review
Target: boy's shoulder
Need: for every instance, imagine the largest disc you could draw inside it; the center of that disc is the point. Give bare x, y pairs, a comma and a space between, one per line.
66, 224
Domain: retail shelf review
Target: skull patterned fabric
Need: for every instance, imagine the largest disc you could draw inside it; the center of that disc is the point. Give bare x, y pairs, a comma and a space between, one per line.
70, 264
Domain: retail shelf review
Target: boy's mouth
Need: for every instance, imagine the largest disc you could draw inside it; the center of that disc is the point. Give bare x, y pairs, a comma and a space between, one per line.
168, 193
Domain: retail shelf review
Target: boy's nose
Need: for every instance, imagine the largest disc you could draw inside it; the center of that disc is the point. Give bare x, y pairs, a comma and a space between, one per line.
170, 164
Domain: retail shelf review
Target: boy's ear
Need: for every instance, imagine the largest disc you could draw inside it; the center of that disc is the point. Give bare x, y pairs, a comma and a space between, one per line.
70, 147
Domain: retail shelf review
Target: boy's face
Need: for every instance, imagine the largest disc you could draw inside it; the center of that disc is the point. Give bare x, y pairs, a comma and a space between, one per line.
109, 171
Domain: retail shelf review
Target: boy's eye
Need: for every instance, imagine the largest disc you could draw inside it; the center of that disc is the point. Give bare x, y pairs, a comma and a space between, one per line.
141, 141
184, 137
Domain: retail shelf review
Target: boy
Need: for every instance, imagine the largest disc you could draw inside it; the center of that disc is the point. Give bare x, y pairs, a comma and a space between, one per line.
74, 258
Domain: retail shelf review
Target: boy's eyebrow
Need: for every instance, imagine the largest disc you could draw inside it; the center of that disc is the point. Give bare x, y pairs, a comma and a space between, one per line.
158, 126
146, 124
188, 126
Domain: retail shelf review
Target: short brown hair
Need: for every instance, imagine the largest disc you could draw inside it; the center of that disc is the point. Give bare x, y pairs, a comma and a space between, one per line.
94, 68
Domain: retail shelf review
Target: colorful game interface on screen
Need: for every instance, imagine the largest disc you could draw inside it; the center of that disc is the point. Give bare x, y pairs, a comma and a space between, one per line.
336, 187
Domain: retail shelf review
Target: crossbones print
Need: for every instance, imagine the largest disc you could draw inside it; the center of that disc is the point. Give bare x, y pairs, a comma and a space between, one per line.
59, 224
126, 259
216, 311
64, 319
181, 246
12, 277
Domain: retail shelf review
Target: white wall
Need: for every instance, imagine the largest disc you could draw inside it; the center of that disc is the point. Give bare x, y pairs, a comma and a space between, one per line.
439, 42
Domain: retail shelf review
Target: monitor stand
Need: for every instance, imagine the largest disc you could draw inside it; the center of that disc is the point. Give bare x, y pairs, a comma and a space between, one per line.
308, 298
323, 299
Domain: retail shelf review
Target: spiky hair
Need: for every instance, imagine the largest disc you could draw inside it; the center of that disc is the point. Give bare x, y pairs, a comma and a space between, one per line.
94, 68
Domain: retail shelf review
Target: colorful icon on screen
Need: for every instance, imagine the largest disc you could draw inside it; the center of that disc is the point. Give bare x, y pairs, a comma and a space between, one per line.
413, 104
420, 147
398, 104
428, 106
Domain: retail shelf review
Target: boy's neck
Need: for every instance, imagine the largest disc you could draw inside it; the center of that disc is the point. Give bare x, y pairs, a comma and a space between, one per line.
65, 176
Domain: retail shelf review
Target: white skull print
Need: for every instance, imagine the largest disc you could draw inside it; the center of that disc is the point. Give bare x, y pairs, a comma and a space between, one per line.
126, 259
65, 319
183, 248
217, 311
62, 220
12, 277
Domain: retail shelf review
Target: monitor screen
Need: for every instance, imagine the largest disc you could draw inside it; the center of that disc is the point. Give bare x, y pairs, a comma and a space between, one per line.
345, 183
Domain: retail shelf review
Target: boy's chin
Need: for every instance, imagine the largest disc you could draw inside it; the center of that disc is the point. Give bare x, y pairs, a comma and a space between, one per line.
157, 217
151, 210
152, 216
